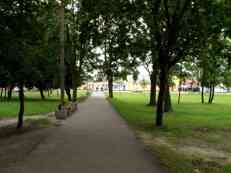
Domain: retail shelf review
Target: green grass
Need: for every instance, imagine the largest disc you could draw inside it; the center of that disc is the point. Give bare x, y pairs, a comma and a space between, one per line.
191, 126
33, 104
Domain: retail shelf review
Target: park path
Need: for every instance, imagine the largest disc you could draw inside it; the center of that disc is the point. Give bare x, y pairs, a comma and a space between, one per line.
93, 140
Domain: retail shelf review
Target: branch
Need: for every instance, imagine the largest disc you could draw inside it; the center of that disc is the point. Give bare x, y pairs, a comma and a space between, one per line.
180, 55
146, 66
167, 12
176, 20
155, 8
176, 9
184, 8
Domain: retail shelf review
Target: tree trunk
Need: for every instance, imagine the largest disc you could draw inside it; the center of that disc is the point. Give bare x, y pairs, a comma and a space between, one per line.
154, 74
5, 93
68, 92
21, 109
153, 78
9, 93
167, 101
161, 97
213, 93
202, 95
75, 94
179, 92
62, 54
48, 93
210, 93
41, 93
110, 86
1, 94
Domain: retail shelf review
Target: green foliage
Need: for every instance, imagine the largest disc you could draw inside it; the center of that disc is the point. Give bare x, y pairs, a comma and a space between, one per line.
114, 37
25, 50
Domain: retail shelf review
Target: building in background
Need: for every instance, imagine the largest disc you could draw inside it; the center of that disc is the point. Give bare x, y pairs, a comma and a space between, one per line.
117, 86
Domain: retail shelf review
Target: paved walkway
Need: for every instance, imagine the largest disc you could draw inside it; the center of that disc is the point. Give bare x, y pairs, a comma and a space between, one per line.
94, 140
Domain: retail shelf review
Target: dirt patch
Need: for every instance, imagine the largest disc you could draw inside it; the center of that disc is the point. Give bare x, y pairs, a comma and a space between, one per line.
17, 144
189, 149
208, 154
16, 148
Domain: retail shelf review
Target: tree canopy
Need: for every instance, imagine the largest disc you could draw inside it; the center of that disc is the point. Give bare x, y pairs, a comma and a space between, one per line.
41, 37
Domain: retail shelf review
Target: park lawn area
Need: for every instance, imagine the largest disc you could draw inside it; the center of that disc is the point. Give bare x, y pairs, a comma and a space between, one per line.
195, 137
33, 104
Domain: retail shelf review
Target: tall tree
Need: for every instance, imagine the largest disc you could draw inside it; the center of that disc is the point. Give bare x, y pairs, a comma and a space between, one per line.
176, 28
23, 31
113, 38
62, 50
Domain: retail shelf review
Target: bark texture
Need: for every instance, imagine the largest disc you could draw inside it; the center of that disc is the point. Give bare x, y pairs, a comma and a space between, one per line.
153, 79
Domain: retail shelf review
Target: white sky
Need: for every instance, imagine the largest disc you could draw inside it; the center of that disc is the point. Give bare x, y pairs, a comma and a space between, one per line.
143, 73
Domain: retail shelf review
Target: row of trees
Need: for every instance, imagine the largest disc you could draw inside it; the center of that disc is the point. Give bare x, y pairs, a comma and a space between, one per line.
76, 37
34, 41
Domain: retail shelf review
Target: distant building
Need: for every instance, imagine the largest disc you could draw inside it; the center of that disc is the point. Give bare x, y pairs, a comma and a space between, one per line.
117, 86
189, 85
103, 86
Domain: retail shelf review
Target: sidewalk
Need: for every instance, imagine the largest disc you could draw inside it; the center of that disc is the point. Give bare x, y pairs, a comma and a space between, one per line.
94, 140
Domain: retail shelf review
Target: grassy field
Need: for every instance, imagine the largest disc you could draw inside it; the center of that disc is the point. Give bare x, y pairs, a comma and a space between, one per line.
33, 104
195, 138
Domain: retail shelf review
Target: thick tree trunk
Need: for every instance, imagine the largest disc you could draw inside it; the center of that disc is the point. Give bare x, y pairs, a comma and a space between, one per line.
154, 74
161, 97
110, 86
68, 92
202, 95
9, 93
21, 109
41, 93
167, 101
153, 78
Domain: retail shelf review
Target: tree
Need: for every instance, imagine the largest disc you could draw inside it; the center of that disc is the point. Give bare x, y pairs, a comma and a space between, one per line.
213, 64
112, 36
176, 27
22, 32
62, 50
144, 48
81, 32
182, 71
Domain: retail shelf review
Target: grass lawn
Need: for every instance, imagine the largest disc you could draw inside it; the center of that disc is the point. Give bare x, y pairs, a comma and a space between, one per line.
33, 104
196, 138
